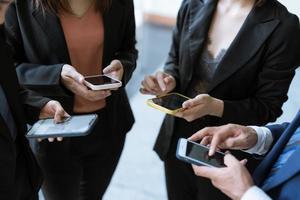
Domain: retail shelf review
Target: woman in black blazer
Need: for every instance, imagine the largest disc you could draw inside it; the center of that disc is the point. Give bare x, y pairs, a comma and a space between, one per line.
77, 168
243, 79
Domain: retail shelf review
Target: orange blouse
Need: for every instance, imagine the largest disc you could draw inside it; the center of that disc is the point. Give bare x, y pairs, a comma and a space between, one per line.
85, 40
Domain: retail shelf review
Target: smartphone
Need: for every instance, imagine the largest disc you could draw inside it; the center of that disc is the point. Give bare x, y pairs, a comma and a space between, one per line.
197, 154
74, 126
102, 82
170, 103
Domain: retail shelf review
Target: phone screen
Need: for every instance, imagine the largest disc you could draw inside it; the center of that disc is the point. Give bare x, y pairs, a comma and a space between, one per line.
200, 153
100, 80
171, 102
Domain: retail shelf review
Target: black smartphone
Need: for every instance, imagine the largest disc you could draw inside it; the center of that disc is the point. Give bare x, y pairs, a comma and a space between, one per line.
197, 154
170, 103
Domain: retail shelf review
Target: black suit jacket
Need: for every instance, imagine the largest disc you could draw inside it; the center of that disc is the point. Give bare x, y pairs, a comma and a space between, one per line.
254, 76
22, 103
40, 50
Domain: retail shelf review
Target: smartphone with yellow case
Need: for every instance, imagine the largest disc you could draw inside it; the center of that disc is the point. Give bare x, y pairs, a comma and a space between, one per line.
170, 103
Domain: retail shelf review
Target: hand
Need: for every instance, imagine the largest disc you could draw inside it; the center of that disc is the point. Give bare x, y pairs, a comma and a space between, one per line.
74, 81
114, 70
229, 136
200, 106
233, 180
159, 84
53, 109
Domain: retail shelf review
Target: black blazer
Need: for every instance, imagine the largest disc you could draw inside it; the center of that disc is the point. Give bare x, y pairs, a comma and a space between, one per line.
18, 99
40, 50
254, 76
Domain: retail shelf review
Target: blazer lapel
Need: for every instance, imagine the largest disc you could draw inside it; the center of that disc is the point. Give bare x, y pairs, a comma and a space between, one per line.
51, 26
201, 15
264, 168
289, 169
112, 19
254, 32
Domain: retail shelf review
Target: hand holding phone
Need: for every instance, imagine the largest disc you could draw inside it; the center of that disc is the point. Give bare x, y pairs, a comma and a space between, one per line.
102, 82
73, 126
197, 154
114, 70
170, 103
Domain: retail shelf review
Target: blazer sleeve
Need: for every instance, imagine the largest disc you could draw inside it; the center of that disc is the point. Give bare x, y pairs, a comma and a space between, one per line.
128, 53
30, 75
272, 85
277, 130
44, 79
33, 104
172, 64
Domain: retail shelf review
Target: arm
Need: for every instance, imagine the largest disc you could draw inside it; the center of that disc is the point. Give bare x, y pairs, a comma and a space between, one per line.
264, 141
277, 130
255, 140
44, 79
128, 54
255, 193
32, 104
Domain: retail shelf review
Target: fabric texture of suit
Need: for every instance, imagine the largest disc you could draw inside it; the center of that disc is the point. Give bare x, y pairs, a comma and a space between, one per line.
286, 181
252, 79
40, 51
17, 162
254, 76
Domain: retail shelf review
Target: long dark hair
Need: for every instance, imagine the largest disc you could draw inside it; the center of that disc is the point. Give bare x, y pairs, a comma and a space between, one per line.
56, 5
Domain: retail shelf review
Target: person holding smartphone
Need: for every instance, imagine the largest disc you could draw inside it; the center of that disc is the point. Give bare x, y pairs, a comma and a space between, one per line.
236, 59
58, 43
20, 176
277, 148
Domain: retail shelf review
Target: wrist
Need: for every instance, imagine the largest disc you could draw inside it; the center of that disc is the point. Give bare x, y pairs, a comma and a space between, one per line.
217, 107
252, 136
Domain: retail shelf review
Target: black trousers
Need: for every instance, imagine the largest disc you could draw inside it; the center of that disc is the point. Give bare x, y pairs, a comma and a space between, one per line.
21, 189
80, 168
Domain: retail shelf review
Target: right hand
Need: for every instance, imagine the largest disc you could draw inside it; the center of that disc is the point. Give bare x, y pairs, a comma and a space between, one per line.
226, 178
53, 109
229, 136
159, 84
74, 81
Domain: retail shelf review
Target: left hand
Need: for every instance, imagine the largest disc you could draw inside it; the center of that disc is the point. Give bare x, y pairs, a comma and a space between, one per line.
200, 106
114, 70
53, 109
233, 180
